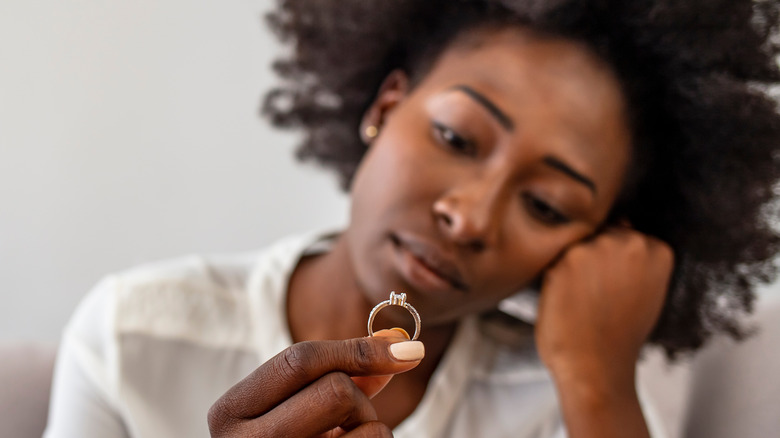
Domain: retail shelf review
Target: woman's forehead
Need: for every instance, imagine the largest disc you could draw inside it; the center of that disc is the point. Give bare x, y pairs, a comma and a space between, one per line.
554, 91
514, 52
529, 78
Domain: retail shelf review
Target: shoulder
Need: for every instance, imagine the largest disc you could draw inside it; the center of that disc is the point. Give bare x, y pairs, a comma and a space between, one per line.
202, 299
195, 298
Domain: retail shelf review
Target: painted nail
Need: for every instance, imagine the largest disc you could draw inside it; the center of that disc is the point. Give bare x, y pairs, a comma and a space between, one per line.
402, 331
407, 350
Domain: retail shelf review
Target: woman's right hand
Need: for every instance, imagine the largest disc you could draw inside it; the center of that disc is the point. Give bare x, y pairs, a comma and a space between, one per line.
317, 388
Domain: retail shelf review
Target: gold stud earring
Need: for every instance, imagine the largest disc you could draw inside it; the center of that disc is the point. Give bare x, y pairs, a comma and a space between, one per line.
371, 131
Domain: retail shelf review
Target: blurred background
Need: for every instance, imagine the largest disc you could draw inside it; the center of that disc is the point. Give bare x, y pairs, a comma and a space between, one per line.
130, 132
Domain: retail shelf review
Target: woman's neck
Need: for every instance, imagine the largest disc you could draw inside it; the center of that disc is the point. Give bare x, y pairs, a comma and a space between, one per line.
323, 300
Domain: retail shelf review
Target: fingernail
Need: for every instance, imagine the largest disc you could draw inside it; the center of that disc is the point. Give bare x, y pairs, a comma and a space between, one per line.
401, 331
392, 333
407, 350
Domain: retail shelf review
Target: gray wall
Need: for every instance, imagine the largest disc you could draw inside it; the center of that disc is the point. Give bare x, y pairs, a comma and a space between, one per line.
129, 132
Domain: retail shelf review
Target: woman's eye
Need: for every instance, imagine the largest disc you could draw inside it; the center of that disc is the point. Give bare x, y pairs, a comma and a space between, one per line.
544, 212
450, 138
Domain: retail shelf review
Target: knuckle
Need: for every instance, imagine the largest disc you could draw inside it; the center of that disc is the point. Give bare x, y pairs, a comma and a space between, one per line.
665, 253
295, 360
636, 245
219, 417
618, 237
659, 250
338, 391
214, 417
577, 254
365, 353
376, 429
630, 243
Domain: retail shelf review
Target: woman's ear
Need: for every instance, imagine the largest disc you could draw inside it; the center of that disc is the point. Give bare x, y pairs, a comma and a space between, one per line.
392, 91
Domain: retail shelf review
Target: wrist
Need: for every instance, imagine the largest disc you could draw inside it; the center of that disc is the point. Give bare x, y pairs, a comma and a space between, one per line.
594, 373
600, 404
595, 391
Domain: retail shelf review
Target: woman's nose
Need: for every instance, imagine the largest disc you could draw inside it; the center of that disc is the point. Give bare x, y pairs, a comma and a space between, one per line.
469, 216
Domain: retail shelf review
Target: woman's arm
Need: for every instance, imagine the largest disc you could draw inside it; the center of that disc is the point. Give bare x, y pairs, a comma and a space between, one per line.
595, 408
598, 305
83, 401
79, 405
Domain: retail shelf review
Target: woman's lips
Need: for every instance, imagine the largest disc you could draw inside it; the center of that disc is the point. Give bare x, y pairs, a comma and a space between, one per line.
427, 267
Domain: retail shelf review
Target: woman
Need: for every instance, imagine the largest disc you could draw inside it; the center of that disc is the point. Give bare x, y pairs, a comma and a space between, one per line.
618, 157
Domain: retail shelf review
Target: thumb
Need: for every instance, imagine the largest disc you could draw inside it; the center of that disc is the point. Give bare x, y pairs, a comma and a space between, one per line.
372, 385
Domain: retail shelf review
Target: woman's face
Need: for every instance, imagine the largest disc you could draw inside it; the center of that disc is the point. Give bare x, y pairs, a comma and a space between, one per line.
508, 151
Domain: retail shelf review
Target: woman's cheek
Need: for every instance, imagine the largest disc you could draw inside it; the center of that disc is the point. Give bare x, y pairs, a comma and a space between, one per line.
541, 250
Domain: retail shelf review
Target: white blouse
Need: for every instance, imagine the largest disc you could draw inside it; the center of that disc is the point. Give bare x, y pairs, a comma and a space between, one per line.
149, 350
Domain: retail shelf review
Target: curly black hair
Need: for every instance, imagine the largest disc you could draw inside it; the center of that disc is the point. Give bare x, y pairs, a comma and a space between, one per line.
695, 73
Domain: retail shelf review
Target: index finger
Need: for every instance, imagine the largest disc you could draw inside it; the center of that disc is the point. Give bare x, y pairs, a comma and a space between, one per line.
299, 365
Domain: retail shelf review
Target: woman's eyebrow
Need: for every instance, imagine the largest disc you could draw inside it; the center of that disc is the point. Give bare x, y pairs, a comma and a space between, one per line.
567, 170
494, 110
509, 125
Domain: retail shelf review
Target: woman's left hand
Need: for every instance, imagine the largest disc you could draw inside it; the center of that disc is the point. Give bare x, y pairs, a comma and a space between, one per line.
598, 305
